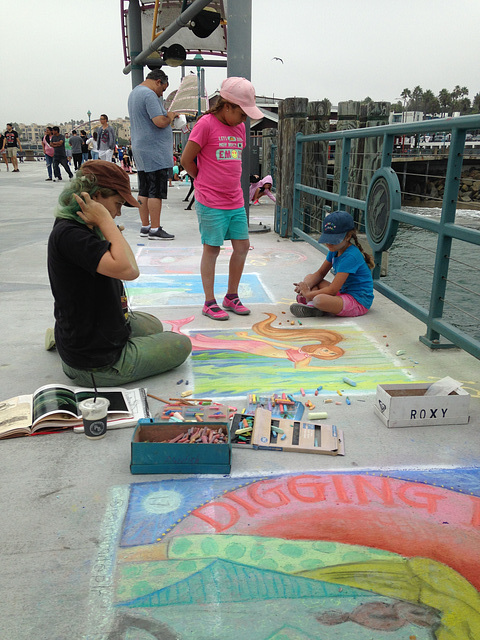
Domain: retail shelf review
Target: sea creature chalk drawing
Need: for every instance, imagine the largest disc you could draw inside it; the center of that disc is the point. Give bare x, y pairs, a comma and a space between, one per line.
271, 358
336, 556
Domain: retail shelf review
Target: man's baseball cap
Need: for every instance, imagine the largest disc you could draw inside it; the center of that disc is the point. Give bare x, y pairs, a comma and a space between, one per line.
110, 175
335, 227
241, 91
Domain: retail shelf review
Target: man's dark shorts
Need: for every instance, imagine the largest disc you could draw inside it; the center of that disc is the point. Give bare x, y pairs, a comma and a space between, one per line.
153, 184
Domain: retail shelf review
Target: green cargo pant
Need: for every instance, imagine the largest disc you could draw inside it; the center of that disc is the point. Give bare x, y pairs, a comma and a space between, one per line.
148, 352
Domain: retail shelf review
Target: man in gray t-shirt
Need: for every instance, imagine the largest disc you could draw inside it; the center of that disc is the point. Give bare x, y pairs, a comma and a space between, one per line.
152, 147
105, 139
76, 144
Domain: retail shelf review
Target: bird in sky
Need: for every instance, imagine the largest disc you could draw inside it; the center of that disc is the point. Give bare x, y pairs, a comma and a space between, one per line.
278, 59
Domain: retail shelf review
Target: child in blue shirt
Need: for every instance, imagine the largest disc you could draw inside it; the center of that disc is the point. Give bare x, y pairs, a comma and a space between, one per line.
351, 291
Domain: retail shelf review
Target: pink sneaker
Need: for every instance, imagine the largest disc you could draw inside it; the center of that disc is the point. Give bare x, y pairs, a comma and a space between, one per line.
301, 299
214, 312
236, 306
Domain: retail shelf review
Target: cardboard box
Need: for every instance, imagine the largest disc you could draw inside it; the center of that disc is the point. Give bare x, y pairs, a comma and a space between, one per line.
300, 436
405, 405
149, 454
237, 424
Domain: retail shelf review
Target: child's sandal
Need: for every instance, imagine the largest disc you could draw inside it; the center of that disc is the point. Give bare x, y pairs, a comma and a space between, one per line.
214, 312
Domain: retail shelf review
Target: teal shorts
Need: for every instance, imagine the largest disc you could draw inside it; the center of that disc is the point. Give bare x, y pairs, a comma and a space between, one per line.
217, 225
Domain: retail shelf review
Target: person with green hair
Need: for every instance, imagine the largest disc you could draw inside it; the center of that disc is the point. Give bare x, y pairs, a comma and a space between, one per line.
88, 257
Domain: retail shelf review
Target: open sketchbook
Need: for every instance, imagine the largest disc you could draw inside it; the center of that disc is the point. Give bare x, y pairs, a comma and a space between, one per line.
55, 407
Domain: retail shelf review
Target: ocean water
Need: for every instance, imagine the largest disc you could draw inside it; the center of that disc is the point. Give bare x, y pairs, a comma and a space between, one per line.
411, 265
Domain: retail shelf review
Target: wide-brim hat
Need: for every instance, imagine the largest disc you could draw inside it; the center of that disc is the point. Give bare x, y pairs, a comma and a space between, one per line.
335, 227
111, 176
242, 92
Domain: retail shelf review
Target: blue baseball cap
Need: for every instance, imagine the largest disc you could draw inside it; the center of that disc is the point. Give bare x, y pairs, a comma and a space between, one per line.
335, 227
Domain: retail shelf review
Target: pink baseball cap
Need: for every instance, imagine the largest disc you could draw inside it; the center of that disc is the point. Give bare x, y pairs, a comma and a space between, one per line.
241, 91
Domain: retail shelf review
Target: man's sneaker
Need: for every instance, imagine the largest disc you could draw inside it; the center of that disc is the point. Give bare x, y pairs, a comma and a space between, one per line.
214, 312
304, 310
48, 180
144, 231
160, 234
236, 306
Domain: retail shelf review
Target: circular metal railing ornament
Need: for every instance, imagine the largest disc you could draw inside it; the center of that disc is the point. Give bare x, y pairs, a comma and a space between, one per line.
384, 195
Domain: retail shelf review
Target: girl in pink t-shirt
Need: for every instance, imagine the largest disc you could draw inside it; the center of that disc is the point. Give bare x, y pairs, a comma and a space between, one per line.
213, 157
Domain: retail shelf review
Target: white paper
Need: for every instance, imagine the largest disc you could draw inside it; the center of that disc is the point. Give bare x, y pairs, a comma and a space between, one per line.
443, 387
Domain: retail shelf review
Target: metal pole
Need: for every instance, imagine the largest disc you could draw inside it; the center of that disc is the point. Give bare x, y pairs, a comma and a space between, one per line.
182, 21
135, 38
199, 94
239, 63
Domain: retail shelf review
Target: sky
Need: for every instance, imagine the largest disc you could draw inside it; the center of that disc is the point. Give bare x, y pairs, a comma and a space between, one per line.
61, 58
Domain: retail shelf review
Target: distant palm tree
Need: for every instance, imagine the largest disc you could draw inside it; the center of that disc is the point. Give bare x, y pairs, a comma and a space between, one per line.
460, 102
476, 103
430, 103
445, 99
417, 94
405, 95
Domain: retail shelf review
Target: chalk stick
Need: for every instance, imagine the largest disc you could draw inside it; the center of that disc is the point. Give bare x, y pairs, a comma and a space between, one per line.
276, 429
245, 430
321, 415
351, 382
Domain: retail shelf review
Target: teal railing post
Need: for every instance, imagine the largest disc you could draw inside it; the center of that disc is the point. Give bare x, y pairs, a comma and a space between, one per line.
387, 150
297, 177
344, 170
444, 241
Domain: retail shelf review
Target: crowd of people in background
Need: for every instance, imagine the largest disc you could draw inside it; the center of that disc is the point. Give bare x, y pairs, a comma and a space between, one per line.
78, 147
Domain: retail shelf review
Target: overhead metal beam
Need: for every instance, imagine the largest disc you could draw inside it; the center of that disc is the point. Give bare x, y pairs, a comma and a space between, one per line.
158, 62
182, 21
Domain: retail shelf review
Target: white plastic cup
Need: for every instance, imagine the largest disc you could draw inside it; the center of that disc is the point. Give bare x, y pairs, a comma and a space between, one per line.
94, 414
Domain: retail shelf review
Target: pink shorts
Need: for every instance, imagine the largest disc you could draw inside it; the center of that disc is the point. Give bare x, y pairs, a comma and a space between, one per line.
351, 307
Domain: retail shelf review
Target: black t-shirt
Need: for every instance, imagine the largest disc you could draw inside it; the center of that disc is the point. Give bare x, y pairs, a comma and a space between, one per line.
11, 138
84, 144
58, 152
91, 329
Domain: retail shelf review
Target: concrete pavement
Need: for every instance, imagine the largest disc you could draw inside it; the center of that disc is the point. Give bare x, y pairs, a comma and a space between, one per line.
55, 489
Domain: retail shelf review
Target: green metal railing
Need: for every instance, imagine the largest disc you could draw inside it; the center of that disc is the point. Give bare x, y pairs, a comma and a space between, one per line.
381, 212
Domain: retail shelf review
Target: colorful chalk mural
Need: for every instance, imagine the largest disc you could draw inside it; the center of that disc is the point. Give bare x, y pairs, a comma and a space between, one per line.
186, 290
286, 358
333, 556
186, 260
157, 288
